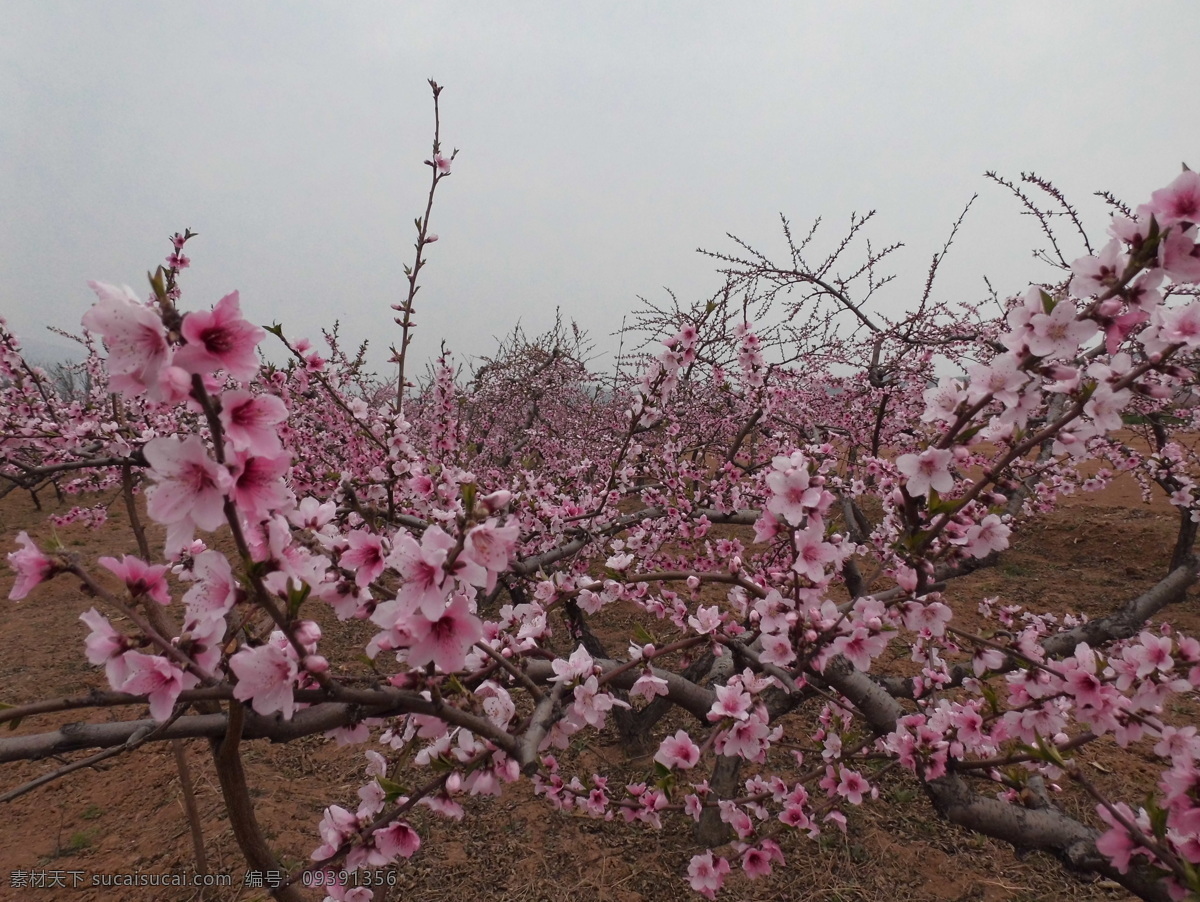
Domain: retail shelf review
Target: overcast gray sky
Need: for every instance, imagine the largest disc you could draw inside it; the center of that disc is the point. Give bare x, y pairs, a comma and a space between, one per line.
601, 143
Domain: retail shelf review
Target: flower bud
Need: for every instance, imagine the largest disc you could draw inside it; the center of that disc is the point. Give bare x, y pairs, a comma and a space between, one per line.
308, 633
496, 501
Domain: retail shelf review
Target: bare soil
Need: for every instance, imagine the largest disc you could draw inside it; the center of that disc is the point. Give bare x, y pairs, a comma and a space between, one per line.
126, 814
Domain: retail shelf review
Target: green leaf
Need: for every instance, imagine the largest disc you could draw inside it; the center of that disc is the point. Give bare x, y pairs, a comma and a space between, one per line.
1047, 751
297, 597
1191, 876
1158, 818
1023, 748
1048, 303
157, 285
392, 789
640, 633
939, 505
991, 697
967, 434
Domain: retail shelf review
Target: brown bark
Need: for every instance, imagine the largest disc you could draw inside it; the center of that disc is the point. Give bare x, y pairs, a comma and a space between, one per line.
236, 791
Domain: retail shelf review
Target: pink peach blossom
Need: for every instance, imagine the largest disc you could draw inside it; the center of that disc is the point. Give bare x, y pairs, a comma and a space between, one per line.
336, 827
266, 676
397, 839
757, 862
140, 578
777, 650
106, 646
446, 640
678, 751
860, 647
649, 686
1179, 201
1095, 274
577, 667
932, 616
749, 738
813, 553
1180, 255
189, 489
1153, 653
927, 471
942, 400
1117, 844
492, 547
365, 556
706, 620
987, 536
591, 705
251, 421
732, 701
792, 494
215, 589
1121, 327
1181, 325
1059, 333
852, 786
155, 677
1002, 379
134, 335
220, 340
707, 875
421, 567
31, 565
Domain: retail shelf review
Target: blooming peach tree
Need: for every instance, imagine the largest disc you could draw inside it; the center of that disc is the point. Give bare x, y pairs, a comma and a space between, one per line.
777, 488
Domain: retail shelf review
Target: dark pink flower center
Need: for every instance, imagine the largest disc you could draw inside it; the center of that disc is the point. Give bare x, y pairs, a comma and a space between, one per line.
217, 339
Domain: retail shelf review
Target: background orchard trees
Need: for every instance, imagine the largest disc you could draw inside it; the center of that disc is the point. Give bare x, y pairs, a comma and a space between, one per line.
738, 551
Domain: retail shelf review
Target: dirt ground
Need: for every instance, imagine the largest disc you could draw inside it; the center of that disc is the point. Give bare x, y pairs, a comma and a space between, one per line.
126, 815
